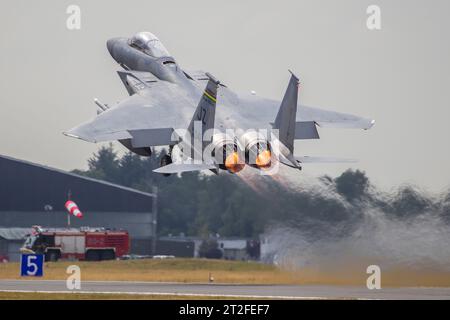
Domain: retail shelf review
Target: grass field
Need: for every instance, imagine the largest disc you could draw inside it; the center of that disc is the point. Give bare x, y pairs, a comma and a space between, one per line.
199, 270
167, 270
104, 296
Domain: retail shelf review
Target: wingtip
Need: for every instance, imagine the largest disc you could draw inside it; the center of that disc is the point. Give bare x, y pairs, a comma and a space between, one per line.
71, 135
74, 133
371, 124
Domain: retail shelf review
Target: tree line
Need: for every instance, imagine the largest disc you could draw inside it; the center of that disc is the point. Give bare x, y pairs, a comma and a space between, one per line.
196, 204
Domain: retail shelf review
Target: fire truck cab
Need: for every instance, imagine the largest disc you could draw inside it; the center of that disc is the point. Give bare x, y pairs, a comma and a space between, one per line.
92, 244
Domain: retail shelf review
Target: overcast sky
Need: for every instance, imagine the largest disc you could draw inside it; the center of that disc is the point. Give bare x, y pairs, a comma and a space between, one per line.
399, 75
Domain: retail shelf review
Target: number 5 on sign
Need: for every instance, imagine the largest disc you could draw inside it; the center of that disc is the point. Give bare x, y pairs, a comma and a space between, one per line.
32, 265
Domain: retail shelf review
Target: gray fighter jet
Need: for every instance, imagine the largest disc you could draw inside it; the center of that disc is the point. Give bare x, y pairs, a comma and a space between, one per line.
214, 127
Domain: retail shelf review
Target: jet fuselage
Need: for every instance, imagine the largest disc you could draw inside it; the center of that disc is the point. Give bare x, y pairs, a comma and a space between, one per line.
164, 67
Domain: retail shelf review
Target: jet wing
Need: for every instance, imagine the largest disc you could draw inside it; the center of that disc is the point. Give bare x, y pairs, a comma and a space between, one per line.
331, 119
308, 159
258, 110
147, 118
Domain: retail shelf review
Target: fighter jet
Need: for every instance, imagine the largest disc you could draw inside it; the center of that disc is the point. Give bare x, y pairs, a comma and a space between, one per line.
215, 127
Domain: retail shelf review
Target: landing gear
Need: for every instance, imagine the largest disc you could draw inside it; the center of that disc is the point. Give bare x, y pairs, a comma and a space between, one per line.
165, 160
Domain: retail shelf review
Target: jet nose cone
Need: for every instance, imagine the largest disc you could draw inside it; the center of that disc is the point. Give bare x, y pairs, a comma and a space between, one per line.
110, 45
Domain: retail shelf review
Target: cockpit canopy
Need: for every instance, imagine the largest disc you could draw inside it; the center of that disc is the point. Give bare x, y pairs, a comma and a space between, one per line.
149, 44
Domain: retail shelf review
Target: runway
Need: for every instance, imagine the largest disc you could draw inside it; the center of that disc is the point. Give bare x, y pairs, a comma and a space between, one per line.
228, 290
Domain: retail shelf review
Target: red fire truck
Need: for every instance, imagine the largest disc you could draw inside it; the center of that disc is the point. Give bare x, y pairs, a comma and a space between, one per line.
92, 244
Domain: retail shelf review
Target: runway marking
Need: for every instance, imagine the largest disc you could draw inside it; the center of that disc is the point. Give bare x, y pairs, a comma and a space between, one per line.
155, 282
223, 290
176, 294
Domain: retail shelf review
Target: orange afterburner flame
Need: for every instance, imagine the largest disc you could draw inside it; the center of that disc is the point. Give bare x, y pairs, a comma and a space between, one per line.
263, 159
232, 163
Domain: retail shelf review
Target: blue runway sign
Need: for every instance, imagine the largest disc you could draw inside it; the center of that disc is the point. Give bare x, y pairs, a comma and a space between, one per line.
32, 265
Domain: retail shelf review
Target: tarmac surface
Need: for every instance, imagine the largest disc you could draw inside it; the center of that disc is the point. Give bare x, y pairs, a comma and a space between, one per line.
227, 290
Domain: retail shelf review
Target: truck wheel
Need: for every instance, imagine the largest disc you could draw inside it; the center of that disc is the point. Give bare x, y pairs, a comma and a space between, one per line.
108, 255
92, 255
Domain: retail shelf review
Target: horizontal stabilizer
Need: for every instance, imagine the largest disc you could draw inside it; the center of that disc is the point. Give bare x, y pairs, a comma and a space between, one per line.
306, 130
184, 167
289, 161
365, 124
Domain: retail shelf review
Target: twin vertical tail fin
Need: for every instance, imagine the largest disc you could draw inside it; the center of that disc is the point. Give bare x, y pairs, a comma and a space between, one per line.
202, 120
285, 121
206, 108
204, 117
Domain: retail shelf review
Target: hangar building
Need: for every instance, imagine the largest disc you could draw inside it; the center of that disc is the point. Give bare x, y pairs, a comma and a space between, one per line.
32, 194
